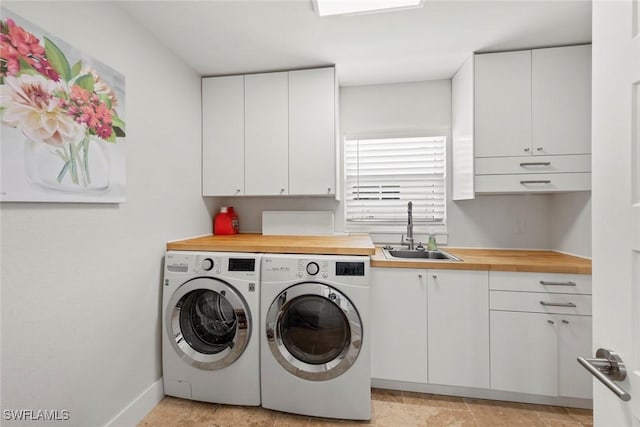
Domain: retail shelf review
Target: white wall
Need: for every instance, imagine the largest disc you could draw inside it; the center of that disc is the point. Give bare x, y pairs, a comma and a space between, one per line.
496, 221
392, 107
571, 223
81, 283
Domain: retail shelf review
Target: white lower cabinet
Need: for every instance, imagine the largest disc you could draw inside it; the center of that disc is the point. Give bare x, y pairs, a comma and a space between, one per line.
430, 326
524, 353
574, 339
536, 353
503, 331
458, 328
398, 324
540, 324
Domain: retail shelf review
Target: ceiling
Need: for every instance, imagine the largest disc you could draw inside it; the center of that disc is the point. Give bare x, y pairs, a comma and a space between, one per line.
217, 37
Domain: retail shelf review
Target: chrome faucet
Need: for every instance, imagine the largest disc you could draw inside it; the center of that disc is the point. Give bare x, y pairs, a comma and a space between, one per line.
409, 240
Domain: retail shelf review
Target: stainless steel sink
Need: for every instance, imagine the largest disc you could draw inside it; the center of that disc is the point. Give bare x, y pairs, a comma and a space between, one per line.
438, 255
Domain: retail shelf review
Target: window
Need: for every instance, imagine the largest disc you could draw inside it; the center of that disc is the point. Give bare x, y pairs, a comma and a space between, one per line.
383, 175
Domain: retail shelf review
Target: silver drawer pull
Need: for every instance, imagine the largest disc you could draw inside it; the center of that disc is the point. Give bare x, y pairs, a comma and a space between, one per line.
541, 181
544, 282
607, 367
557, 304
535, 164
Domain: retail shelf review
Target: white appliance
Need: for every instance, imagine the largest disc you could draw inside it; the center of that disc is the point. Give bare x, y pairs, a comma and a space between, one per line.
314, 348
210, 339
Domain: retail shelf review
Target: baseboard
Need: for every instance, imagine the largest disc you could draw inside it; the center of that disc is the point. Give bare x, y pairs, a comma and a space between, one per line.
482, 393
135, 411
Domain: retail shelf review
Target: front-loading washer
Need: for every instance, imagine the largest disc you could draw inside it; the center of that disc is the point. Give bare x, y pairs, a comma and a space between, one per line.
315, 357
210, 334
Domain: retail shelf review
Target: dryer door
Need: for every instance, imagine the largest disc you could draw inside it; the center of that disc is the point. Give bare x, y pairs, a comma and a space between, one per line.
208, 322
314, 331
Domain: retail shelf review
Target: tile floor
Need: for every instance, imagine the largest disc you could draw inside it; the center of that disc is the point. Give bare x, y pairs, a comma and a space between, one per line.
389, 409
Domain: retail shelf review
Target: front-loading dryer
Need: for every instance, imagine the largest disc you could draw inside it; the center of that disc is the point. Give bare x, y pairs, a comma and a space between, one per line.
210, 334
315, 335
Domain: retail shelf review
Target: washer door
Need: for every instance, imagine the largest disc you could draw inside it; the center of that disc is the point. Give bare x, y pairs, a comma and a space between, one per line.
208, 322
314, 331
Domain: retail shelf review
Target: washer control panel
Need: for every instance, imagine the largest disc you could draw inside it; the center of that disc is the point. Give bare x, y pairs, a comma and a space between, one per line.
213, 264
313, 268
178, 263
207, 264
350, 268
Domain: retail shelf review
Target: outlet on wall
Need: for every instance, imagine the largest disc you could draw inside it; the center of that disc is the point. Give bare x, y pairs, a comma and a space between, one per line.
520, 225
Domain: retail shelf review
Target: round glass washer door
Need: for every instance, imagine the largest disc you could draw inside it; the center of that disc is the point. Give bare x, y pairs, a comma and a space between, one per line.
208, 322
314, 331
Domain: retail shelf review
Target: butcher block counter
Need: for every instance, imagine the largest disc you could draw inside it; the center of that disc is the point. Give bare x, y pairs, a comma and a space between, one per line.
494, 260
246, 242
361, 244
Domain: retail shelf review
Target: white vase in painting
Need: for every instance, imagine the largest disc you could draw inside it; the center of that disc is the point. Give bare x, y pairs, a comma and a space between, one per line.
80, 167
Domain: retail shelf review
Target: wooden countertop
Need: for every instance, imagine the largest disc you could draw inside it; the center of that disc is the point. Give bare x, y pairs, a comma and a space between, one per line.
245, 242
472, 259
495, 260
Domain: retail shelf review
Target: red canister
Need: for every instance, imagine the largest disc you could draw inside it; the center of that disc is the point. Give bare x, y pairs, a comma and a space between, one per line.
226, 221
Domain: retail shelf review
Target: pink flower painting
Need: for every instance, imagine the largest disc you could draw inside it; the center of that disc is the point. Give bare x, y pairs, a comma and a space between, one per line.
62, 120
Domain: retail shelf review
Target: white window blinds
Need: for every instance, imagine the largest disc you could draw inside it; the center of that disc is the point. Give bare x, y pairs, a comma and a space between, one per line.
383, 175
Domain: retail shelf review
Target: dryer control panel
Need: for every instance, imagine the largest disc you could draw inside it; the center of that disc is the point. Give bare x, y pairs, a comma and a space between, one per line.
339, 269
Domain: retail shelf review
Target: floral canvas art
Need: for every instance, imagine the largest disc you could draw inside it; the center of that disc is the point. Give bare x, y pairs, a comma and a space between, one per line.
62, 117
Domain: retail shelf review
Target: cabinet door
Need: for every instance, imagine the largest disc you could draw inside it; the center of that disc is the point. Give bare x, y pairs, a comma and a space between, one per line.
223, 136
561, 100
524, 353
266, 134
312, 136
503, 104
574, 339
458, 328
398, 324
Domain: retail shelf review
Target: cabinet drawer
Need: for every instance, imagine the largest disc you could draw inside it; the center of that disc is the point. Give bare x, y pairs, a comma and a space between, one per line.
540, 302
532, 164
540, 282
533, 183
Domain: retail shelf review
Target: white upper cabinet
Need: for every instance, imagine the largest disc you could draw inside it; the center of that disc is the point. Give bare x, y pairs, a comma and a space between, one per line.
312, 134
531, 121
561, 100
533, 102
462, 132
270, 134
503, 104
223, 131
266, 134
